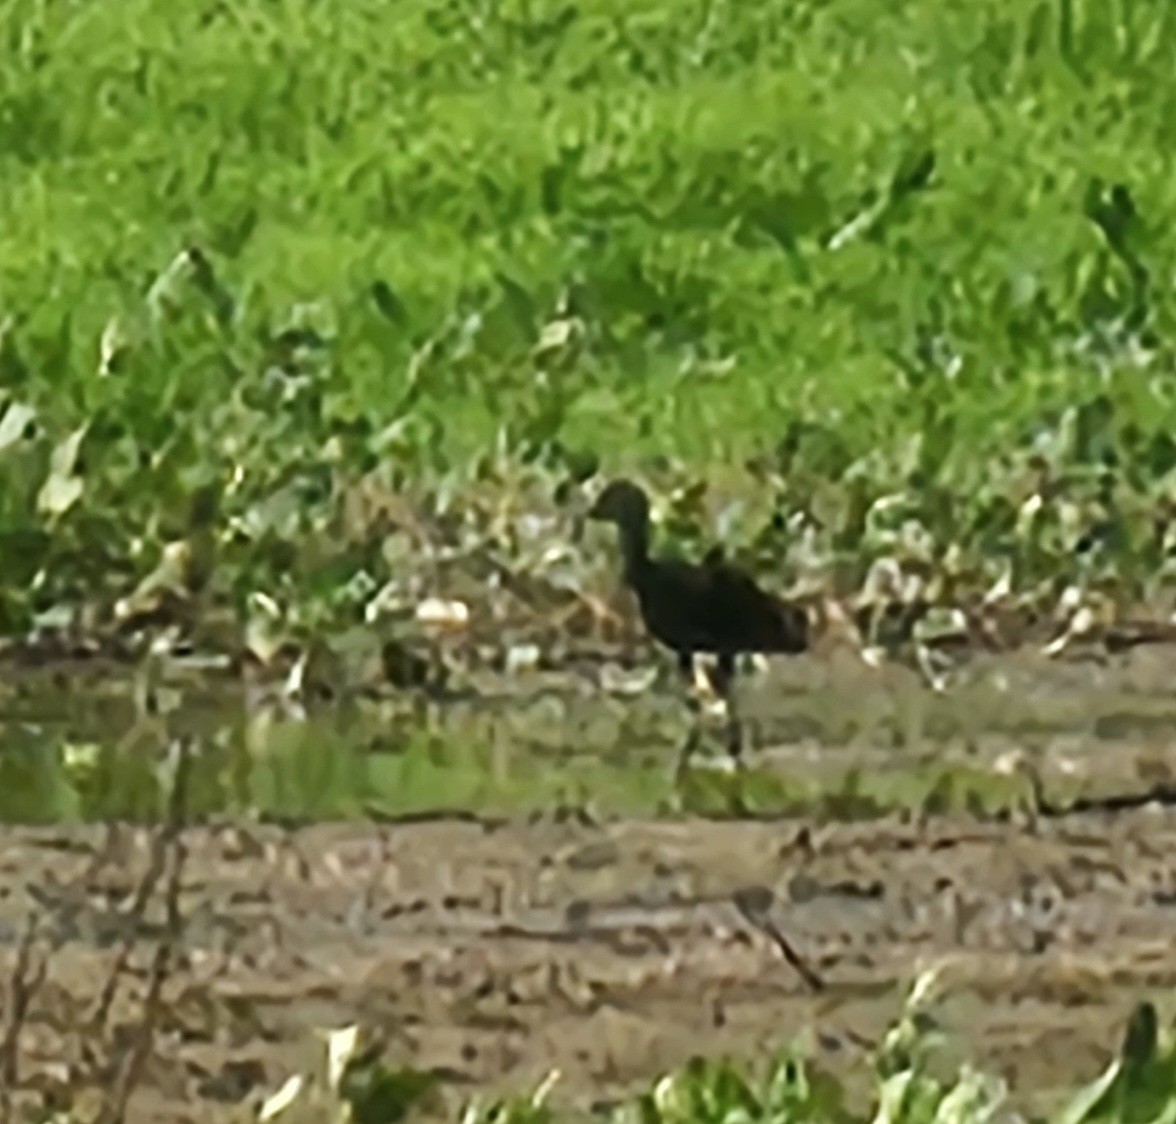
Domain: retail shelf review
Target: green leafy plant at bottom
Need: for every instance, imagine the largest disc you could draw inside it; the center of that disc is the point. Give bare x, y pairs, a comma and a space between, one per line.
1137, 1087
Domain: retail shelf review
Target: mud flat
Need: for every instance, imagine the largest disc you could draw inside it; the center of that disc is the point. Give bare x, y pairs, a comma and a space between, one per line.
493, 952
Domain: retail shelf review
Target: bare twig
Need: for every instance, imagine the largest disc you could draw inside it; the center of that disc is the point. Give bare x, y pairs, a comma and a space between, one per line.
102, 856
173, 847
134, 924
754, 904
23, 985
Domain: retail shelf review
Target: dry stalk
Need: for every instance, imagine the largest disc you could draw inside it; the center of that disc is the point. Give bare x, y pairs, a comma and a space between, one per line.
135, 913
103, 856
23, 985
131, 1070
754, 904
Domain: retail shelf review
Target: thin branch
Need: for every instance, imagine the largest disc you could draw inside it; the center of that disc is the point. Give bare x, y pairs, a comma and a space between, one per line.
134, 924
23, 985
754, 903
131, 1071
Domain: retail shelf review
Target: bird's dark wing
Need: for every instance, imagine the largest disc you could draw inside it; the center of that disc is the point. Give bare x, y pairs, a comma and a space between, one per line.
676, 598
754, 618
716, 607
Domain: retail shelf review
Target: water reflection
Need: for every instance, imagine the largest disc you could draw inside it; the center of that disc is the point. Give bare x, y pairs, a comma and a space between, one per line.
89, 745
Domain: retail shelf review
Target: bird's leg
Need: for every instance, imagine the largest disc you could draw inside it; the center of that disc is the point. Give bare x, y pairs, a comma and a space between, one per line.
724, 682
686, 668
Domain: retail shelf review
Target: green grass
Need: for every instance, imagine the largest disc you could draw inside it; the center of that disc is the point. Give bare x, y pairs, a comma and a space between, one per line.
819, 253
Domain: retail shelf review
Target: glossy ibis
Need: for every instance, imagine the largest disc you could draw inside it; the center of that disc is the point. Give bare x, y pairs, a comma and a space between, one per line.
707, 607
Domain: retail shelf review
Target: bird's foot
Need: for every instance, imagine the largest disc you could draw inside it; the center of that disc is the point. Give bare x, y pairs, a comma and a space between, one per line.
734, 740
686, 752
734, 744
737, 804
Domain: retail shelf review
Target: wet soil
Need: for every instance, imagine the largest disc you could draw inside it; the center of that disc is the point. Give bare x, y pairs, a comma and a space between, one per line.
492, 951
612, 952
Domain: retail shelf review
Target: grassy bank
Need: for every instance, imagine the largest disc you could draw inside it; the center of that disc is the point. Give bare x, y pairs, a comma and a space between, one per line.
898, 281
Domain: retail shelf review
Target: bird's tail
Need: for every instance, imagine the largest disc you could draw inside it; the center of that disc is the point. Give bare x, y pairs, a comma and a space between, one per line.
792, 628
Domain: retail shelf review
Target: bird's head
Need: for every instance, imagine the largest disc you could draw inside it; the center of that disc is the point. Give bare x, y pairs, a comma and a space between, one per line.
623, 503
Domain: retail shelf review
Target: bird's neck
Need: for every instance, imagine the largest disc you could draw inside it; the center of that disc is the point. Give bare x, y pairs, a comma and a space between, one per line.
634, 551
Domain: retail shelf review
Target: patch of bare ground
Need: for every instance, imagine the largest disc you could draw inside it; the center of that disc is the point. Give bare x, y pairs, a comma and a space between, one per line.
492, 953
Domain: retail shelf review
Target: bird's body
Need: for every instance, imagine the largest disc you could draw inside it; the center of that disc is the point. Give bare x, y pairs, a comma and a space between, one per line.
715, 608
707, 607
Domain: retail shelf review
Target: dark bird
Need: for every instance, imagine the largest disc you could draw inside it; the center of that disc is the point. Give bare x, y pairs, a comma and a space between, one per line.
709, 607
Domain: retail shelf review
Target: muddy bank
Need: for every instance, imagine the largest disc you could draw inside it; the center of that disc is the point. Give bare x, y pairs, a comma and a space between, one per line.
611, 952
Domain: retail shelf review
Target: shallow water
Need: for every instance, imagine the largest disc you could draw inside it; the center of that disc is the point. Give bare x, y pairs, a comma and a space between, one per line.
846, 739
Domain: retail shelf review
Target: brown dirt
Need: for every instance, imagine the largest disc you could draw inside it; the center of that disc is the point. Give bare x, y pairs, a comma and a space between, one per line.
612, 952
